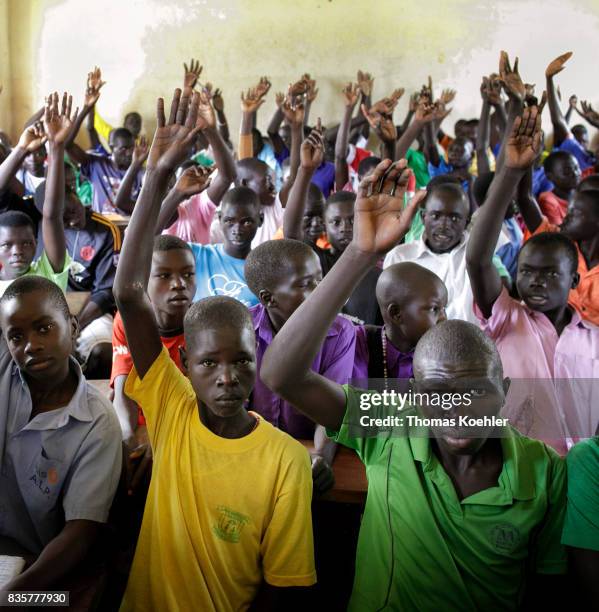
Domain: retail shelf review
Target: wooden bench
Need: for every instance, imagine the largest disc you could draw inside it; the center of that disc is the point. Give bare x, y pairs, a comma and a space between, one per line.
77, 301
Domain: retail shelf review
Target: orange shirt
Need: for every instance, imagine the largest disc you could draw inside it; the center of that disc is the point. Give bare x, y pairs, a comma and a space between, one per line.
122, 363
322, 242
552, 207
585, 297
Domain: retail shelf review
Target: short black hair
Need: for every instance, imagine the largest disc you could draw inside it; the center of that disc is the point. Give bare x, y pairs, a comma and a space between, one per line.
589, 183
216, 312
133, 114
271, 261
481, 186
555, 240
30, 283
457, 341
579, 127
554, 158
16, 218
445, 184
251, 164
243, 196
367, 164
121, 132
315, 194
340, 196
165, 242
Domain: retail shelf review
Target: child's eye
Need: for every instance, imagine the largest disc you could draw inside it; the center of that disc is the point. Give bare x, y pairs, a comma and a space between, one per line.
189, 274
454, 218
478, 392
15, 337
207, 363
243, 361
44, 329
554, 274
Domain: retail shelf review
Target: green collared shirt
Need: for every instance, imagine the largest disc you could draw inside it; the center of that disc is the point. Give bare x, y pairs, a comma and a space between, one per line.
421, 548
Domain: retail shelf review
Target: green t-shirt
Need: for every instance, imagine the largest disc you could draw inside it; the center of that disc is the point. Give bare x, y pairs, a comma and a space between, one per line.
420, 548
581, 527
42, 267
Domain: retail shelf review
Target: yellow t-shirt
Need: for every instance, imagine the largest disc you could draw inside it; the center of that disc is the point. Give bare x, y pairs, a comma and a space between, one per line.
221, 515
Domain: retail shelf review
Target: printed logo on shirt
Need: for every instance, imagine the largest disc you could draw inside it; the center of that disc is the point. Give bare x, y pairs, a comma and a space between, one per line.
219, 284
230, 524
504, 537
42, 478
87, 253
119, 349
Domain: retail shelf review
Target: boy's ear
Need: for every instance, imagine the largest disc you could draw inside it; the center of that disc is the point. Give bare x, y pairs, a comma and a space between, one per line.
422, 213
266, 298
575, 280
395, 312
74, 327
506, 385
183, 355
261, 221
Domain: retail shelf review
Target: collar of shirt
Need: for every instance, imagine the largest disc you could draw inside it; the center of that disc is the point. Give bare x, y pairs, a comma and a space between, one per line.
575, 321
399, 365
77, 408
515, 482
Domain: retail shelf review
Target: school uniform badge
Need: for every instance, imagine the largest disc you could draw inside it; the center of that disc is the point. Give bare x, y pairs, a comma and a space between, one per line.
230, 524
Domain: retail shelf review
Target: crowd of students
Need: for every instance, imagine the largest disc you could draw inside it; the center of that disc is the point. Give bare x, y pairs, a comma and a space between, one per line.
261, 291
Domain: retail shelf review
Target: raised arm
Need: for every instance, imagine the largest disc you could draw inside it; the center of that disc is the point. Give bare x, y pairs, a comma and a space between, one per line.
124, 200
380, 223
37, 116
293, 109
589, 114
527, 204
560, 126
221, 119
251, 101
350, 98
484, 128
522, 149
382, 124
31, 139
572, 104
91, 128
366, 84
92, 95
170, 147
275, 124
311, 156
311, 93
57, 124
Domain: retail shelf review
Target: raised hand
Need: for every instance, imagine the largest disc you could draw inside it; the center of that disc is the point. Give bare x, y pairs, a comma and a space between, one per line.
573, 101
33, 137
447, 96
588, 113
217, 101
312, 149
413, 103
494, 90
299, 88
279, 99
557, 65
510, 78
381, 123
140, 152
426, 93
263, 86
173, 139
192, 74
425, 111
193, 180
524, 144
380, 220
365, 83
311, 90
94, 84
293, 110
206, 116
58, 123
351, 92
251, 100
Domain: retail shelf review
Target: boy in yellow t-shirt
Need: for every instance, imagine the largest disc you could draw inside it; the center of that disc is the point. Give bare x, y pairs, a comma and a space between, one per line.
227, 521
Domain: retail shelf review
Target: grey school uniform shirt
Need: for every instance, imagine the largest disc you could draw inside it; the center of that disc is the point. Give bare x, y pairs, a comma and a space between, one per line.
60, 466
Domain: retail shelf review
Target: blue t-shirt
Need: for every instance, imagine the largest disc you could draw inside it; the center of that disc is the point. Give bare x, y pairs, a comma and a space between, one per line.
324, 178
220, 274
540, 182
443, 168
585, 158
508, 253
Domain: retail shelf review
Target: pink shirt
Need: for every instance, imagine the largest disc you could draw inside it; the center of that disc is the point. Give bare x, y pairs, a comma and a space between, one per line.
195, 218
552, 396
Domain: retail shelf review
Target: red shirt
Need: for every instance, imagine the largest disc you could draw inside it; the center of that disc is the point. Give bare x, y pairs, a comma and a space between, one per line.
552, 207
122, 363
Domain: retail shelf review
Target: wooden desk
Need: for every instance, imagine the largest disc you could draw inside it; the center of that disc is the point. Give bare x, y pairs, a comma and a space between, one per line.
350, 476
77, 300
121, 221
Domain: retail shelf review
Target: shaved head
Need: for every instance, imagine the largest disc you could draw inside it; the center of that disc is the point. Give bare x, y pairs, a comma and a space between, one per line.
399, 282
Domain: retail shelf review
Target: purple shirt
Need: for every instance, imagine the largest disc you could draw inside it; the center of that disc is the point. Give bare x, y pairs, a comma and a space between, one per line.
324, 177
334, 361
399, 365
106, 179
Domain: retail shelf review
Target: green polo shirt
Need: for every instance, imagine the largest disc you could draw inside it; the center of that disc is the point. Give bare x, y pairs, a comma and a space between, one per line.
581, 528
421, 548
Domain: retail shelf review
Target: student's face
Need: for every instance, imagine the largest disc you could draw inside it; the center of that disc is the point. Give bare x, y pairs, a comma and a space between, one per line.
468, 131
566, 173
544, 277
419, 311
221, 365
339, 224
34, 162
239, 223
122, 152
261, 183
459, 154
285, 134
74, 212
445, 218
17, 248
40, 338
171, 286
486, 396
133, 123
582, 136
582, 220
313, 221
295, 288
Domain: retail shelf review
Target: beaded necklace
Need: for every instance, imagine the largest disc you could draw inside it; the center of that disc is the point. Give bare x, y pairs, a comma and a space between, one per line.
384, 343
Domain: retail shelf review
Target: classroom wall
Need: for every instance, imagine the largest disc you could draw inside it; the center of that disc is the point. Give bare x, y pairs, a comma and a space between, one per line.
141, 45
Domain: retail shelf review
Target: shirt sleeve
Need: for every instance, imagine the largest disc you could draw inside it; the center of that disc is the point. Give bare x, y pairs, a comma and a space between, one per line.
165, 394
581, 527
550, 553
287, 547
95, 471
500, 315
360, 368
500, 267
43, 267
102, 127
549, 207
338, 361
121, 357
